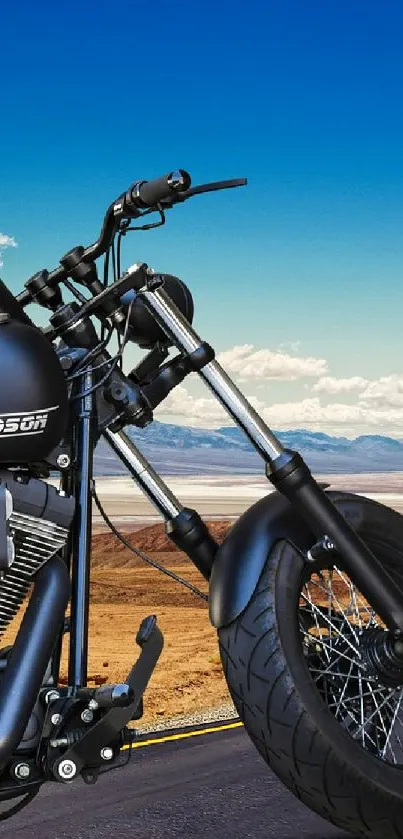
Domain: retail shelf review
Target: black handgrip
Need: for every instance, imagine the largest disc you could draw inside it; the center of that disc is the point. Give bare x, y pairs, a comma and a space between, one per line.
147, 194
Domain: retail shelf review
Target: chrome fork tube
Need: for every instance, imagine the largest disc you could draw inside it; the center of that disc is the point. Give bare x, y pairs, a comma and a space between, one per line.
143, 474
241, 411
175, 325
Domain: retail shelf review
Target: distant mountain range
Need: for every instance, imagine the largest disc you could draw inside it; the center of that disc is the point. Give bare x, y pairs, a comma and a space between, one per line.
179, 450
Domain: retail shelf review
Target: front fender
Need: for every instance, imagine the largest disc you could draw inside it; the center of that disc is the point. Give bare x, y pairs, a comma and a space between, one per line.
241, 558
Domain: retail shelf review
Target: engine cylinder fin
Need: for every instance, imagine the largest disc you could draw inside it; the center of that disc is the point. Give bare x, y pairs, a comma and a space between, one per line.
35, 541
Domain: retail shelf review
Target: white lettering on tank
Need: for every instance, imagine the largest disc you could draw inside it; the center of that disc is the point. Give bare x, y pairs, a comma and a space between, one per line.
25, 423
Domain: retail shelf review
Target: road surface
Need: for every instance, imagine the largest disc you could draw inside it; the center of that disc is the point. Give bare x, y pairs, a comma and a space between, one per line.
212, 785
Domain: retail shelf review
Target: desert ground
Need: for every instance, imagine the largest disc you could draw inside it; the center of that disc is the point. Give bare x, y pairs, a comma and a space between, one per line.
124, 589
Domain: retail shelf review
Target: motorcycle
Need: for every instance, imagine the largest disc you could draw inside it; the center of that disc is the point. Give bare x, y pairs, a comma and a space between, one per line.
305, 592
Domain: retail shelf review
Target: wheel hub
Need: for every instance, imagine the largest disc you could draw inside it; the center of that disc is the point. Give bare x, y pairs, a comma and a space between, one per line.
382, 655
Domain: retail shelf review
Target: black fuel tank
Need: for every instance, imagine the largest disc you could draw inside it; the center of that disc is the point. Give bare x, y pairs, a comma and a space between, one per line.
33, 394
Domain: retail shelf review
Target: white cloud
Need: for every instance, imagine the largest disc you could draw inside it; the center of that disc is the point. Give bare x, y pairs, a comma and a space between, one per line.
330, 384
199, 411
6, 242
336, 416
378, 393
386, 391
310, 413
253, 364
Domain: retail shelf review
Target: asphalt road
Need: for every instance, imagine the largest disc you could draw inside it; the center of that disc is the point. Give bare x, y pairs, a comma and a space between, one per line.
214, 785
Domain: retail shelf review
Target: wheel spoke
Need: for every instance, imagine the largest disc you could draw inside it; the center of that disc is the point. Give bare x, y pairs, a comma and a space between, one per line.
363, 721
316, 621
364, 694
347, 582
327, 648
344, 688
395, 734
371, 620
384, 729
350, 714
331, 624
383, 703
392, 723
331, 596
335, 673
354, 601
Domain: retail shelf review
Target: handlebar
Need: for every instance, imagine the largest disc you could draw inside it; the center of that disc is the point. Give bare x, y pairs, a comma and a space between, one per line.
142, 197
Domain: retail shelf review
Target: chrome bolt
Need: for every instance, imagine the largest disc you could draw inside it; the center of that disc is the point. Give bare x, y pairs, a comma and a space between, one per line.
93, 705
56, 719
22, 771
63, 461
107, 753
87, 715
51, 696
67, 769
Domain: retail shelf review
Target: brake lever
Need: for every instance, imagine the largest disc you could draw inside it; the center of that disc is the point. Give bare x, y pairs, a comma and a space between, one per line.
214, 186
178, 197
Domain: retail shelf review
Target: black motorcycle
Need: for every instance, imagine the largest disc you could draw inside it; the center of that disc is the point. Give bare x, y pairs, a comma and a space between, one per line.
306, 591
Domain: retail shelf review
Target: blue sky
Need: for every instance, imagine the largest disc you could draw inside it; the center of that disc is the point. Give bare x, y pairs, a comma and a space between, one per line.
297, 279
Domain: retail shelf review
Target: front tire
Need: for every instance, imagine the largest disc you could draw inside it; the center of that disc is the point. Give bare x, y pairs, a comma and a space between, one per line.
355, 782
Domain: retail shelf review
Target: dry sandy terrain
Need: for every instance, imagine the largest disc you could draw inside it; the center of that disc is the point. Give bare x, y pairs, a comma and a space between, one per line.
124, 589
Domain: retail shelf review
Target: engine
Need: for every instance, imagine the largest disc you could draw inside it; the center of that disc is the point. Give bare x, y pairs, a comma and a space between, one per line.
38, 520
35, 522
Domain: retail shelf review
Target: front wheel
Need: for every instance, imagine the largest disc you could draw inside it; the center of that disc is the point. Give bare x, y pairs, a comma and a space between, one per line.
321, 709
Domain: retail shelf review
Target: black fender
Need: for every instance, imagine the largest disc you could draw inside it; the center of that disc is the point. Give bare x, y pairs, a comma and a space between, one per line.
241, 558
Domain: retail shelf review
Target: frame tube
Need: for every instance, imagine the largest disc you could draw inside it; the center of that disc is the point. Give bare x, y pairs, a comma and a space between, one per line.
66, 486
81, 541
32, 649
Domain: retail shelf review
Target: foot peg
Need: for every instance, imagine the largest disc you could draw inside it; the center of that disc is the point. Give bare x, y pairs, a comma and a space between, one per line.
107, 696
120, 703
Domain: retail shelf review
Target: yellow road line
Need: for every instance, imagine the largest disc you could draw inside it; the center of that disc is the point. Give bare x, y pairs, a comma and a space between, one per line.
183, 735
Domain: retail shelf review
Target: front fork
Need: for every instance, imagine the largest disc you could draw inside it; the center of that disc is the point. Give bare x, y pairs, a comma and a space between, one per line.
285, 469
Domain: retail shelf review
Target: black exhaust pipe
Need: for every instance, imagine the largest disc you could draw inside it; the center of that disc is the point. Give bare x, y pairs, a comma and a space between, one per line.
29, 658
